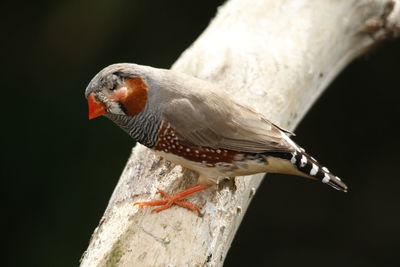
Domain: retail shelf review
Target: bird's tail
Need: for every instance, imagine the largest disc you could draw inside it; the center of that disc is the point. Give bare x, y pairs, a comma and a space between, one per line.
311, 168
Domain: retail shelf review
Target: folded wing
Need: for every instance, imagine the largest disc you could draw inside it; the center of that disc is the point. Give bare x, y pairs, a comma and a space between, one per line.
220, 122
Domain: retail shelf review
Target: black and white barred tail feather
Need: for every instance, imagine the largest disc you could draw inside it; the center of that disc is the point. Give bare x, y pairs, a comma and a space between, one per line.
309, 166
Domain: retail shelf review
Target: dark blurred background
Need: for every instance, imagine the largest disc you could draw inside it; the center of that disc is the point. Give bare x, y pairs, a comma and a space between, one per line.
59, 170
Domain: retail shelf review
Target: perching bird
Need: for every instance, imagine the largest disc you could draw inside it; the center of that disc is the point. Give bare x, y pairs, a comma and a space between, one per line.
197, 125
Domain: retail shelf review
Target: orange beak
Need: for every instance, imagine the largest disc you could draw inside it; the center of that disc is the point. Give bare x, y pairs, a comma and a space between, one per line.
95, 107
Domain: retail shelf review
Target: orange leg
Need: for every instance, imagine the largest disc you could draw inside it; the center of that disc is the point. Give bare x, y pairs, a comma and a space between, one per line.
177, 199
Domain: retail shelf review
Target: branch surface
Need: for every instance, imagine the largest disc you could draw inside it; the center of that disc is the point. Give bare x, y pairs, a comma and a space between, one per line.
277, 57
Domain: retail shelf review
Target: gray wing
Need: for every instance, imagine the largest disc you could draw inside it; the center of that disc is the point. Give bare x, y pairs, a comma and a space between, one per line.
225, 124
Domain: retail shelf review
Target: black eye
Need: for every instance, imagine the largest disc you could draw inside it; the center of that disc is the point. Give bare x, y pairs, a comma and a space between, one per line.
114, 86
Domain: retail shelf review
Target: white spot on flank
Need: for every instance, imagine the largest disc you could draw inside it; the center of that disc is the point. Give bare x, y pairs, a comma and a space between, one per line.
314, 170
293, 159
187, 149
196, 151
326, 179
204, 155
303, 161
218, 151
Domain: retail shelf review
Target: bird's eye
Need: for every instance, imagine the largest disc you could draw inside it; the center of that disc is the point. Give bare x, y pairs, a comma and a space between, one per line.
113, 87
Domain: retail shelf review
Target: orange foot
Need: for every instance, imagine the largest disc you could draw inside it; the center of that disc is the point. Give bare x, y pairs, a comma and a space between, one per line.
177, 199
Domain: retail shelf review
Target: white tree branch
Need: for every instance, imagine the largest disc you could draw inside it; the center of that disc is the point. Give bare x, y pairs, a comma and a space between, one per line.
276, 56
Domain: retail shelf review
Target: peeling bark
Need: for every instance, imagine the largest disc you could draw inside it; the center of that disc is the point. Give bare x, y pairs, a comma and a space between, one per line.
276, 56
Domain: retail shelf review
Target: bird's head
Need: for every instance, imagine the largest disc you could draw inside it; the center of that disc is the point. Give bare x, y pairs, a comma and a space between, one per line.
117, 89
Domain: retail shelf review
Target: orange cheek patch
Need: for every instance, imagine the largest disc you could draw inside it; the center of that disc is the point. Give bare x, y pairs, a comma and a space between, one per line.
135, 99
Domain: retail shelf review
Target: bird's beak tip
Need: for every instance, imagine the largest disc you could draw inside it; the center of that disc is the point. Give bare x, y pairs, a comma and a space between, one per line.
96, 108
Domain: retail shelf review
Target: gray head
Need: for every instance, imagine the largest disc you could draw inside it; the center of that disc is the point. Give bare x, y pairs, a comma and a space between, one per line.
119, 89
